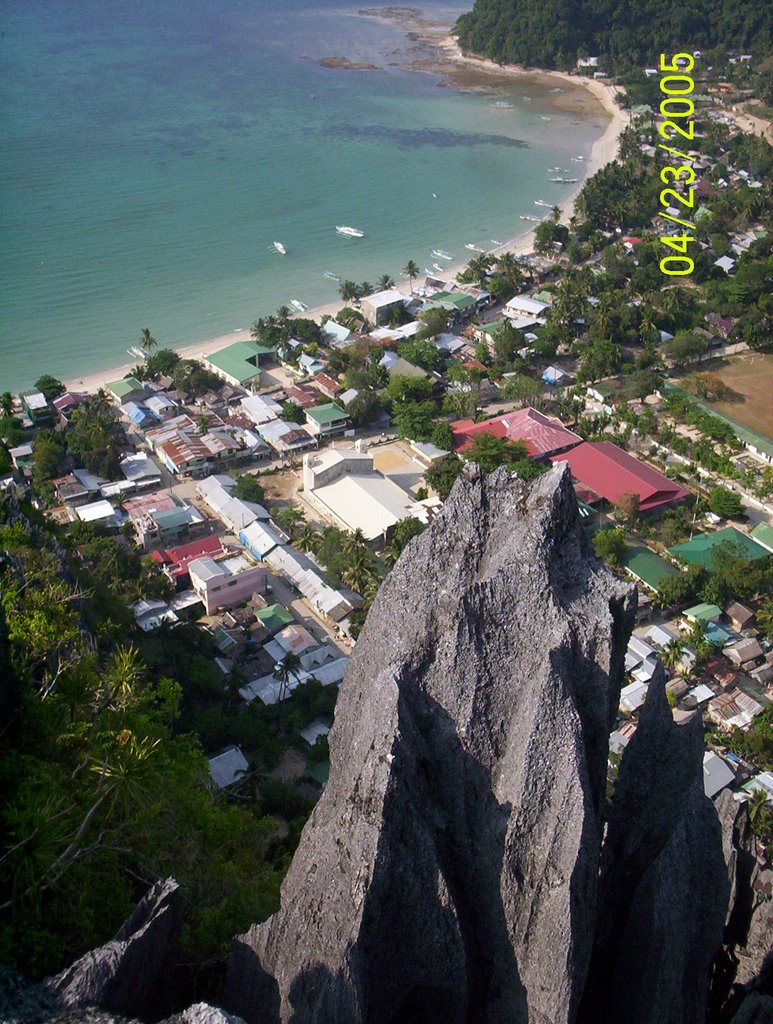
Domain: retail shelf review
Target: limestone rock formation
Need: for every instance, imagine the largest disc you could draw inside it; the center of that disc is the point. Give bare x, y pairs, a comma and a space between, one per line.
449, 871
126, 976
663, 885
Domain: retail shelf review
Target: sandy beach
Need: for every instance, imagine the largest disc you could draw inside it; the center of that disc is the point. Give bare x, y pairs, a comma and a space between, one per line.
440, 54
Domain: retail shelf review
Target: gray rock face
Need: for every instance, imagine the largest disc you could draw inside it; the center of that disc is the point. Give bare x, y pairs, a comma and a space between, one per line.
126, 976
449, 871
663, 885
745, 964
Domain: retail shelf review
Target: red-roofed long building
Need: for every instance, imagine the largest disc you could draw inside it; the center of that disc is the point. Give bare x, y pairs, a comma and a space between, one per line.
611, 473
543, 436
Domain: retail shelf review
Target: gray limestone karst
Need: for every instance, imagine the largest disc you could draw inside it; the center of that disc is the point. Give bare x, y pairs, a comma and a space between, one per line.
127, 975
663, 886
449, 871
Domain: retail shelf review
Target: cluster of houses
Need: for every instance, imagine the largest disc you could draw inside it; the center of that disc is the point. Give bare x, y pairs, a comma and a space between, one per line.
733, 687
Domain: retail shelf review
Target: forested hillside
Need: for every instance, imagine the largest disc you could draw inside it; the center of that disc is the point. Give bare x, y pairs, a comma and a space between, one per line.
554, 33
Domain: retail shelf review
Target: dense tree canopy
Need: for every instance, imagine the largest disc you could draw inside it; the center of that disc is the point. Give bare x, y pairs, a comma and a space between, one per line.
554, 33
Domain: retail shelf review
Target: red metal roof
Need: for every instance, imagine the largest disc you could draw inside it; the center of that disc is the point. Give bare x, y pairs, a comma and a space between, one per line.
179, 558
611, 472
541, 435
327, 384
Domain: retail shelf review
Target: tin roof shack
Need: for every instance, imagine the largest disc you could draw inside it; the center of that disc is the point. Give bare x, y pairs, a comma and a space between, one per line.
740, 616
228, 767
226, 583
129, 389
735, 708
175, 561
159, 518
36, 406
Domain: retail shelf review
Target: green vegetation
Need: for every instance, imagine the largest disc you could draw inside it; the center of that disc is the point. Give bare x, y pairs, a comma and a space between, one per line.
609, 544
249, 488
102, 771
49, 386
554, 34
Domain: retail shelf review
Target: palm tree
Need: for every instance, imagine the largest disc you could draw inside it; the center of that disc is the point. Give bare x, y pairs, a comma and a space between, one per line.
757, 803
671, 655
765, 616
6, 403
147, 341
372, 588
358, 571
308, 539
411, 270
288, 667
479, 267
391, 553
288, 518
348, 291
555, 213
353, 542
284, 313
384, 282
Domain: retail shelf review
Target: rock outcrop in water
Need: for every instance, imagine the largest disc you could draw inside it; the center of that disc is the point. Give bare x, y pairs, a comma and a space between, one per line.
450, 870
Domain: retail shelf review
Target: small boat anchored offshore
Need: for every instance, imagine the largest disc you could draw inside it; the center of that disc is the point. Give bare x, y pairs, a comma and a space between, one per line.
344, 229
299, 306
280, 248
473, 248
331, 275
442, 254
541, 202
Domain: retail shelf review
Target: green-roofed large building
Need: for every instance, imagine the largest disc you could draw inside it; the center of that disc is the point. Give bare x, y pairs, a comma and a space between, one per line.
763, 534
647, 567
700, 550
239, 364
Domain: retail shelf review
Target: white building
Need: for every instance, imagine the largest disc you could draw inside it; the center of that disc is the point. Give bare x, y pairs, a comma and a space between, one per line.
343, 484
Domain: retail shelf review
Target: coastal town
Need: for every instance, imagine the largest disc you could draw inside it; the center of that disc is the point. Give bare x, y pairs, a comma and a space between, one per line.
246, 503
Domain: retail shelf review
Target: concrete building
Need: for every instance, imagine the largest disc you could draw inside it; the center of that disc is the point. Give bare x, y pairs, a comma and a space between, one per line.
226, 583
378, 307
343, 484
326, 420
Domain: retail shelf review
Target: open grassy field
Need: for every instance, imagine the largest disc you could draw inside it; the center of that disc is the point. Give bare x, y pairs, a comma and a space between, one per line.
751, 376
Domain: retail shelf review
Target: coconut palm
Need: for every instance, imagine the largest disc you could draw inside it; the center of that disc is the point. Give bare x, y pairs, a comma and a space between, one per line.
384, 282
308, 539
358, 571
348, 291
284, 313
353, 542
757, 803
6, 403
289, 667
147, 341
555, 214
411, 270
671, 655
372, 588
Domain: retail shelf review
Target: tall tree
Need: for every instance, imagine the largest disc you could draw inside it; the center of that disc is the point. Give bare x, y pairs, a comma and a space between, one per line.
147, 341
411, 271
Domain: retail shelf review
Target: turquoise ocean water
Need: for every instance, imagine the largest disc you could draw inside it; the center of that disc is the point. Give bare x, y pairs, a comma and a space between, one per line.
152, 151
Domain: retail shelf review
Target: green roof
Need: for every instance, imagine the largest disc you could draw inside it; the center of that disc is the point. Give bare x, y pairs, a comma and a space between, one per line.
493, 327
125, 386
700, 550
646, 566
703, 612
274, 618
324, 414
240, 360
172, 518
763, 534
319, 772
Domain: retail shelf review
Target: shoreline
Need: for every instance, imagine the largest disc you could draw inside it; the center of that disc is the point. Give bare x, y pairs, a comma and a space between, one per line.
449, 60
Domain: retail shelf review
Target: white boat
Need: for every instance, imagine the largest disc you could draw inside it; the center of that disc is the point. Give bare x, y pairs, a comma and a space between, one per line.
135, 350
299, 306
541, 202
344, 229
439, 269
428, 272
544, 117
442, 254
332, 276
434, 195
280, 248
473, 248
496, 241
